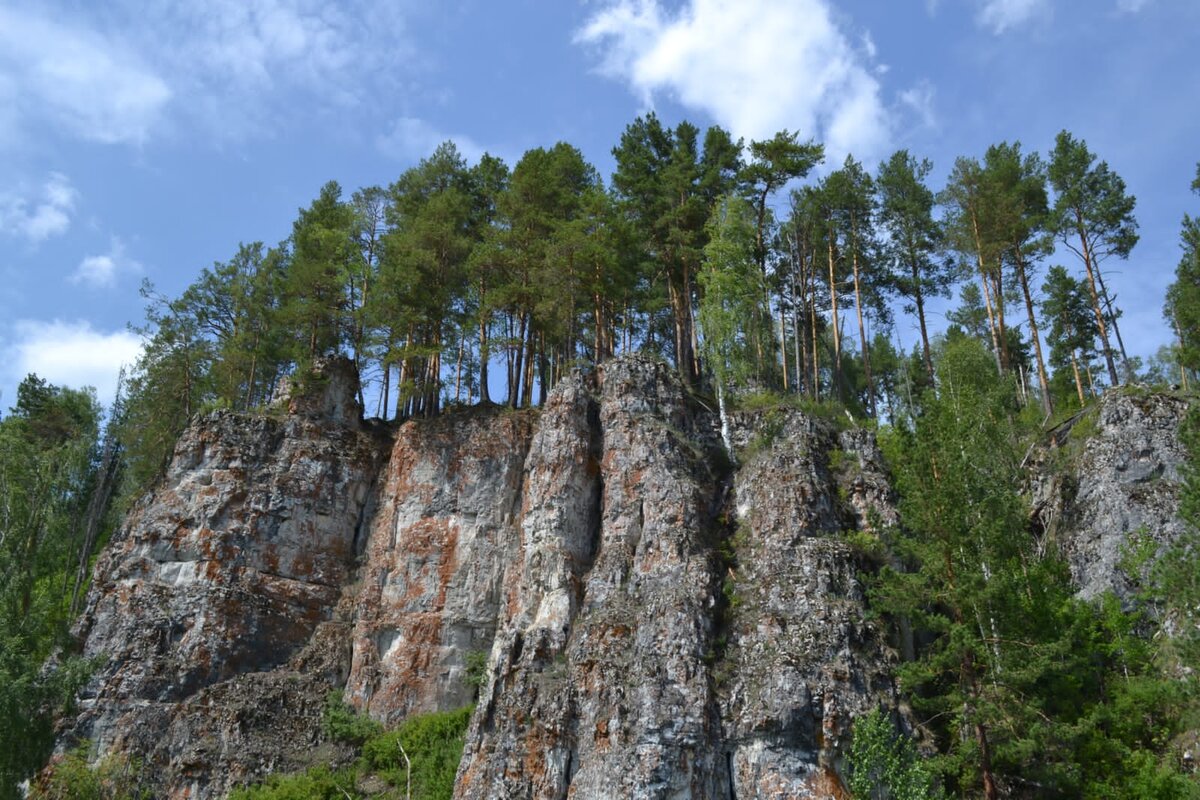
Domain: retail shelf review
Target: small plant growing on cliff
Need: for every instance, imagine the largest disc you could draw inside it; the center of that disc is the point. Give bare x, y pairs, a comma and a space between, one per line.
476, 669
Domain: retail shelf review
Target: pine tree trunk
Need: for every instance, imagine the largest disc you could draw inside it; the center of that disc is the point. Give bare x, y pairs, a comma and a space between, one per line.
1043, 379
1112, 316
987, 292
862, 338
919, 299
837, 334
1100, 326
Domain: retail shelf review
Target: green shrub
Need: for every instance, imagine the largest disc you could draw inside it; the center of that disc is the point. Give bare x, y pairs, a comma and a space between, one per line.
343, 724
884, 764
433, 744
115, 777
318, 783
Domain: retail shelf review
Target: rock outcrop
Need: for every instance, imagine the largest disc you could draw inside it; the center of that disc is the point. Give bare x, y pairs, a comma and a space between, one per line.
1109, 480
213, 611
657, 619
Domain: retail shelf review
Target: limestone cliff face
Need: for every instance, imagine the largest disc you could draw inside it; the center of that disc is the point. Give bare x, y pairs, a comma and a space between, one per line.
657, 620
214, 609
1109, 477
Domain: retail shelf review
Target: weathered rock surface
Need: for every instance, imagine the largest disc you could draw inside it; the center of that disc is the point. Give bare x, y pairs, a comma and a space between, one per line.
439, 545
599, 682
1112, 476
657, 621
219, 594
802, 662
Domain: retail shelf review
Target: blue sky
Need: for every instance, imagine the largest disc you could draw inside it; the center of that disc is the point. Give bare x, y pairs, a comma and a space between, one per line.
147, 139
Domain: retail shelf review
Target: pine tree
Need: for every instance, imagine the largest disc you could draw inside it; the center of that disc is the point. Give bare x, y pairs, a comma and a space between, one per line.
1182, 308
1071, 334
323, 246
1093, 218
913, 237
1021, 212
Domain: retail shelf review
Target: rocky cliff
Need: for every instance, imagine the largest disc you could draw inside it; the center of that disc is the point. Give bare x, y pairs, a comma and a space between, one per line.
658, 620
1109, 479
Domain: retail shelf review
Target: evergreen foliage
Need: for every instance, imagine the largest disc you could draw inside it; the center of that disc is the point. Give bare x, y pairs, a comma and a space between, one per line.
1026, 688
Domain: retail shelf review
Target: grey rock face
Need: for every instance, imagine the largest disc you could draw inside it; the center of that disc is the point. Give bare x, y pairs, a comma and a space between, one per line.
802, 662
215, 588
435, 560
1110, 477
599, 683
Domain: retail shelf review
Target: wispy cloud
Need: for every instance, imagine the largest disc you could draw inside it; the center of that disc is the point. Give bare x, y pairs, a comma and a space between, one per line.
82, 81
756, 66
67, 353
1001, 15
39, 214
918, 100
124, 71
1131, 6
411, 139
102, 271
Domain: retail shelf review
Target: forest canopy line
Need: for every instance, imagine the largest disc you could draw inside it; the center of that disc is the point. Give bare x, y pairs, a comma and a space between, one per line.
467, 282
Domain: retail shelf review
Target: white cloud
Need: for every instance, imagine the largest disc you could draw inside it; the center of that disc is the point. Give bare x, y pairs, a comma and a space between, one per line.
69, 354
126, 70
102, 271
1132, 6
918, 100
83, 82
1000, 15
756, 67
47, 213
411, 139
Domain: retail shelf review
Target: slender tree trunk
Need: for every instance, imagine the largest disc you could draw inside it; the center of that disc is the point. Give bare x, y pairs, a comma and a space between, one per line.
485, 395
387, 379
1043, 379
530, 348
837, 335
1090, 266
514, 390
862, 336
458, 370
1112, 315
812, 318
1001, 328
693, 335
783, 341
797, 345
987, 292
919, 299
